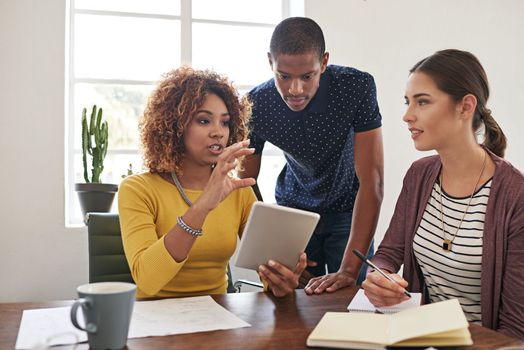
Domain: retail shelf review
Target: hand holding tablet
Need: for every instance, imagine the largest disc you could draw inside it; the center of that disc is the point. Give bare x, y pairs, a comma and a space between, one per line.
273, 243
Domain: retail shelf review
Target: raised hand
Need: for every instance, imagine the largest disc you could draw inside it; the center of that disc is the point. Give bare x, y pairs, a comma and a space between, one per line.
221, 183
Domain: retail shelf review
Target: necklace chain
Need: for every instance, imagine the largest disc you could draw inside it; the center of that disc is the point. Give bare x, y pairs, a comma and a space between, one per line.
180, 189
446, 243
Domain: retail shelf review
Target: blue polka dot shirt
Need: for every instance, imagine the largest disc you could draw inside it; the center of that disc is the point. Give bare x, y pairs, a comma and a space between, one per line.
319, 174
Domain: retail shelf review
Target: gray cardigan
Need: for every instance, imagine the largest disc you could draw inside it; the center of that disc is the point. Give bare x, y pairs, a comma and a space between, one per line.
502, 276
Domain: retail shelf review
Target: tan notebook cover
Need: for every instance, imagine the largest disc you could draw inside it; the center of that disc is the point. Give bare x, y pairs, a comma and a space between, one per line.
437, 324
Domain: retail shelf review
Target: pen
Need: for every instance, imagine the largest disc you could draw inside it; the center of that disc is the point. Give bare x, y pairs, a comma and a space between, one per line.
366, 260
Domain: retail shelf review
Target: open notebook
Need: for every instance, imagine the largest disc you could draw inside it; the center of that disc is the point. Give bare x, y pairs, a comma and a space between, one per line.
361, 303
438, 324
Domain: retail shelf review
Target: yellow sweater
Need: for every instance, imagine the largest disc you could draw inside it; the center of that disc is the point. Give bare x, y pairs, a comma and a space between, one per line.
148, 207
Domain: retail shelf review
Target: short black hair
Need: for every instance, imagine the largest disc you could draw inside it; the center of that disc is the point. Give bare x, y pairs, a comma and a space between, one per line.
297, 35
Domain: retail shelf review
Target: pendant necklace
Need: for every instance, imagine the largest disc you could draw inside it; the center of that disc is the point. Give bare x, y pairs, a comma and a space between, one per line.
446, 243
180, 189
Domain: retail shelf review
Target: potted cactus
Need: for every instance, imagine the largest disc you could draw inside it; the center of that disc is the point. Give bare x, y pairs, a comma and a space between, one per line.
94, 196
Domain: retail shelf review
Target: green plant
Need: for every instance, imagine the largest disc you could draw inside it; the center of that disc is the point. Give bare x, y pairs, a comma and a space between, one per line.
129, 171
94, 143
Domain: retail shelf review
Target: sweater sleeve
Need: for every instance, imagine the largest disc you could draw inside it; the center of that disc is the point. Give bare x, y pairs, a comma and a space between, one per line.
390, 253
151, 265
511, 313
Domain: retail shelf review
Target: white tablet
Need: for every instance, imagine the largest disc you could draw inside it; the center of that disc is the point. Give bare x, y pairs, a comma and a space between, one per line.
277, 233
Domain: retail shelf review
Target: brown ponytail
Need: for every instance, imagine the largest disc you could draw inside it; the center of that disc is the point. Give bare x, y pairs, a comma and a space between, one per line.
459, 73
494, 138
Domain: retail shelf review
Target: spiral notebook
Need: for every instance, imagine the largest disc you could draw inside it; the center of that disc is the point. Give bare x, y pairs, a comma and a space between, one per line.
361, 303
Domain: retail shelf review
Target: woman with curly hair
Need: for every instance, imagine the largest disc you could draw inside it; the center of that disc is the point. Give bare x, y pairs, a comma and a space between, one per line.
181, 219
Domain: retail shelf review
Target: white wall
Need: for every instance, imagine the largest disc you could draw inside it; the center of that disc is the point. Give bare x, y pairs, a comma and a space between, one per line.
39, 258
42, 260
386, 38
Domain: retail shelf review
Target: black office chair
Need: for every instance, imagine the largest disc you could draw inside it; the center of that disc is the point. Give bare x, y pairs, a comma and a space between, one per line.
107, 261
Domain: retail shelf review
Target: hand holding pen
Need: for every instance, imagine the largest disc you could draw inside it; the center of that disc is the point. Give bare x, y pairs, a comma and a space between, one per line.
381, 288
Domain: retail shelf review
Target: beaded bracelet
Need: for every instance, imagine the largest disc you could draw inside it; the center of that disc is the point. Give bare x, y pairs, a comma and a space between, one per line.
193, 232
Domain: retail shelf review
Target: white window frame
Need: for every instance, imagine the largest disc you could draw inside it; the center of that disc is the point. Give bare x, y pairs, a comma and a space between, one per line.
289, 8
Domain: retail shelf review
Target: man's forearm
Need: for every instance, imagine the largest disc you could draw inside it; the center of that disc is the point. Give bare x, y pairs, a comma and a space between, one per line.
366, 212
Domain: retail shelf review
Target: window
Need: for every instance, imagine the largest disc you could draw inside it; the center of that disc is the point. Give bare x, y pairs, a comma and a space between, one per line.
119, 48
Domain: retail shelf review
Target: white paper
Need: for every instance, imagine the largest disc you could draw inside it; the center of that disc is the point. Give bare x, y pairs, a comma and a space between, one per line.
361, 303
150, 318
182, 315
48, 326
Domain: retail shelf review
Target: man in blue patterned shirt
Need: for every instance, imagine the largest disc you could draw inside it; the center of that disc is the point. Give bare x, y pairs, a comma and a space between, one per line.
327, 122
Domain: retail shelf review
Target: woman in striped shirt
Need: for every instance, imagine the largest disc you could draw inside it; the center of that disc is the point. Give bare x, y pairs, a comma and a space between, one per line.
458, 226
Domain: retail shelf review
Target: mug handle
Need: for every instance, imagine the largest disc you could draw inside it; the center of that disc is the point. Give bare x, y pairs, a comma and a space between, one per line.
85, 303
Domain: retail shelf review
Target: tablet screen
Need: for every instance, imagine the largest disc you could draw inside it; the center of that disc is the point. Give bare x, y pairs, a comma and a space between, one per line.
275, 232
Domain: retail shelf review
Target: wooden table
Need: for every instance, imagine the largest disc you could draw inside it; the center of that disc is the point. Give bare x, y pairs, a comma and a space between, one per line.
276, 324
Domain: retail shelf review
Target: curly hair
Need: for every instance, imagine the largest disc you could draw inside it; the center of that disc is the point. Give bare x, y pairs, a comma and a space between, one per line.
174, 103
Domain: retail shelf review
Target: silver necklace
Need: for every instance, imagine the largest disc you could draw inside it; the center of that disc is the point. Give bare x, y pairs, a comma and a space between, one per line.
446, 243
180, 189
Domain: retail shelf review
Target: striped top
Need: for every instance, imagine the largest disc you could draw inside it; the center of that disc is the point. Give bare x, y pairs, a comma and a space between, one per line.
455, 273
